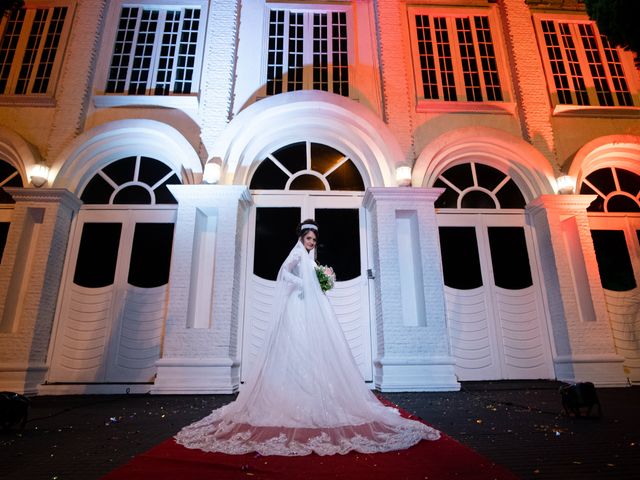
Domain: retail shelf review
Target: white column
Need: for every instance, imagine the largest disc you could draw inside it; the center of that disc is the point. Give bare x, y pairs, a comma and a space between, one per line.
413, 349
200, 351
30, 276
583, 348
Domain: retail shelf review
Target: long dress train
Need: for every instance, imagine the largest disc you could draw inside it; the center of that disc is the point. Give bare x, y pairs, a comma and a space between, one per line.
305, 393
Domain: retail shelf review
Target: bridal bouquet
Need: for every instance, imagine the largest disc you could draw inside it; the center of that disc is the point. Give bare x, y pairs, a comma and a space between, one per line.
326, 277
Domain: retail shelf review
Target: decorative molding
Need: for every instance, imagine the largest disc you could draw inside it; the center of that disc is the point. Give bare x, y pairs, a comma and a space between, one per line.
45, 195
422, 196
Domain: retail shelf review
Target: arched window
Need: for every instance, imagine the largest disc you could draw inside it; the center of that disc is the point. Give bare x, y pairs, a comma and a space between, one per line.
618, 190
307, 166
9, 177
475, 185
132, 180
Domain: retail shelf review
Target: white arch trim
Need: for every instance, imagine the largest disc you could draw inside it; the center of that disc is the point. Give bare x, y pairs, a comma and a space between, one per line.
18, 152
102, 145
609, 151
528, 167
314, 116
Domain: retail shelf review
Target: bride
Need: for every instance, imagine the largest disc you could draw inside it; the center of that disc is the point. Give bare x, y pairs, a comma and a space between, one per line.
305, 393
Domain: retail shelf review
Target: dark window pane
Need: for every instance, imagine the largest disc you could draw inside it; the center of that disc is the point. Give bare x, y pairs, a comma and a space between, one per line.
268, 176
306, 182
162, 193
488, 177
603, 180
614, 263
509, 257
97, 255
4, 233
598, 204
97, 191
460, 176
339, 241
121, 171
346, 178
510, 196
460, 258
622, 203
324, 157
477, 199
152, 171
293, 157
448, 199
151, 254
8, 171
275, 237
629, 181
132, 195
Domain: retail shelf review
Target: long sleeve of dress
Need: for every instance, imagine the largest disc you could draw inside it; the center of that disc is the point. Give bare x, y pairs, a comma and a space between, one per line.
290, 271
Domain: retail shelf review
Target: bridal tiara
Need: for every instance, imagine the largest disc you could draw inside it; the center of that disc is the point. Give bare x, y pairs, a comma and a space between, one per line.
309, 226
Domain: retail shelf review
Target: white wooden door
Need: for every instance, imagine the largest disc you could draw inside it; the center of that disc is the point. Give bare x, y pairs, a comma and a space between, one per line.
111, 313
617, 245
273, 220
494, 304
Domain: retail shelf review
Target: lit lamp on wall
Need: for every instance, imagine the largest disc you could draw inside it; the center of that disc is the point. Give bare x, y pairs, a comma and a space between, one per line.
403, 176
39, 175
212, 169
566, 184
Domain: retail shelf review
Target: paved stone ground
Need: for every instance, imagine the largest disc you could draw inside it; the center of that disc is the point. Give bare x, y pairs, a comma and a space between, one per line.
517, 424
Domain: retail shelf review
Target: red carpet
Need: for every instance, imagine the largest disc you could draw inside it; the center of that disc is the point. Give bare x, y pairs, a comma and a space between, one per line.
442, 459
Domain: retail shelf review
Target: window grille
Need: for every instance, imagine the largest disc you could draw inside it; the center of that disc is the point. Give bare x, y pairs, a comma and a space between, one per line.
29, 53
457, 60
307, 50
584, 68
155, 51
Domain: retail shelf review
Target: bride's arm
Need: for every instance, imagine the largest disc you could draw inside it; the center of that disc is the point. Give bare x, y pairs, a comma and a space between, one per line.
287, 271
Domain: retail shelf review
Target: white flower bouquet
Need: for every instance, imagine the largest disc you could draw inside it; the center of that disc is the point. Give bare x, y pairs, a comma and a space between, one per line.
326, 277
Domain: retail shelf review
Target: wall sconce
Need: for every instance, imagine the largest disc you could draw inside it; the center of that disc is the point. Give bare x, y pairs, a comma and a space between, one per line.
39, 175
403, 176
566, 184
211, 172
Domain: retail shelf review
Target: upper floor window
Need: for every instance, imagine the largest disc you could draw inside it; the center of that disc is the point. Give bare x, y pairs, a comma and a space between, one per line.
455, 56
307, 50
155, 51
31, 41
583, 68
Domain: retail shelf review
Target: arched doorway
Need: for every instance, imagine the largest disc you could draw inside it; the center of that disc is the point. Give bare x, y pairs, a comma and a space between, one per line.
111, 312
494, 301
308, 180
614, 219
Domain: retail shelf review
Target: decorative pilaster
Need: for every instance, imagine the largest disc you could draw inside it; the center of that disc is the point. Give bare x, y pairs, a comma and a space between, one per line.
30, 276
201, 335
583, 348
413, 348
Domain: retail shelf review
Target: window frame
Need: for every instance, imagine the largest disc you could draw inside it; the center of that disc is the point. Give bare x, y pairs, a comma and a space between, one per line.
307, 78
181, 101
46, 98
424, 105
594, 109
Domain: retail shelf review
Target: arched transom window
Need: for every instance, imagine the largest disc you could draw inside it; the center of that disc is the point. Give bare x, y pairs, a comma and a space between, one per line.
9, 177
618, 190
307, 166
475, 185
132, 180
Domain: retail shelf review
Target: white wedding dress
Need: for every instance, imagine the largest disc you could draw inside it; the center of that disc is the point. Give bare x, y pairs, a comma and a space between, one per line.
305, 393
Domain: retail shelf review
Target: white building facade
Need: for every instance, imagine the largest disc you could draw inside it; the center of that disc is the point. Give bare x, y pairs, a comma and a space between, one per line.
474, 167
